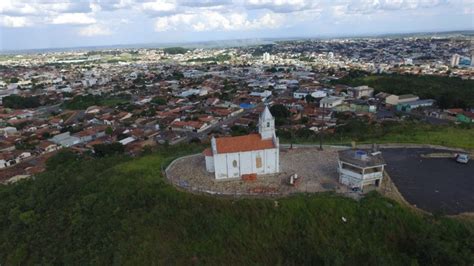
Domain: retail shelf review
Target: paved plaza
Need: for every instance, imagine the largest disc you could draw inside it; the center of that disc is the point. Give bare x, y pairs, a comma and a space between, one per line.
317, 172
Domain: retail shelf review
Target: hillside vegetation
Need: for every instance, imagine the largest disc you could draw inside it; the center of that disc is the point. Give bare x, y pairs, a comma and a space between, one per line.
448, 92
118, 210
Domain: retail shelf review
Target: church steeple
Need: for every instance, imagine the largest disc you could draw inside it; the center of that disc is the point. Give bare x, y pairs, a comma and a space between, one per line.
266, 124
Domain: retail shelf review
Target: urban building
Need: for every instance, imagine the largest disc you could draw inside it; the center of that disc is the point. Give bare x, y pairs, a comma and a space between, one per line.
330, 102
360, 168
398, 99
361, 91
455, 60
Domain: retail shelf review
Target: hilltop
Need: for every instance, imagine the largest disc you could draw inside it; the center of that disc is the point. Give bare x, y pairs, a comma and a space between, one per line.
121, 210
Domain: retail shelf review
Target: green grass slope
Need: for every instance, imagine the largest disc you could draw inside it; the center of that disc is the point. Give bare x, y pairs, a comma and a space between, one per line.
121, 211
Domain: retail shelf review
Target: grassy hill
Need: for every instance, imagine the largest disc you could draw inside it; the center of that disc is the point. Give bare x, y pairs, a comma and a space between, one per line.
119, 210
364, 131
448, 92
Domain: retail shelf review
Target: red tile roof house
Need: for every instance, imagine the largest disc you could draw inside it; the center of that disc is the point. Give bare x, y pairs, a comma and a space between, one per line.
46, 146
7, 144
7, 159
11, 158
234, 157
190, 126
90, 134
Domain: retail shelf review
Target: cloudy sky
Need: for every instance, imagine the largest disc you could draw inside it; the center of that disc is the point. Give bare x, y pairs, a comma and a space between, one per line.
29, 24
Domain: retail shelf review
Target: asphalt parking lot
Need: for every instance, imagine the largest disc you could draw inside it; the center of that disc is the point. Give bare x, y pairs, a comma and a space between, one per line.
432, 184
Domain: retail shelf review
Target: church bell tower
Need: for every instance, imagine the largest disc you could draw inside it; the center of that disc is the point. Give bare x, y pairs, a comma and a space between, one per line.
266, 124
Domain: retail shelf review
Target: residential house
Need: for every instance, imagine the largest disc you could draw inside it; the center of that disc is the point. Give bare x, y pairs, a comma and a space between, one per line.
408, 106
397, 99
360, 91
330, 102
65, 139
465, 117
90, 134
190, 126
47, 147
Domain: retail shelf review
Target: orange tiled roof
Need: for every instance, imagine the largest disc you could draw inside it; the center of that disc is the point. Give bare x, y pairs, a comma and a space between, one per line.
250, 142
468, 114
455, 110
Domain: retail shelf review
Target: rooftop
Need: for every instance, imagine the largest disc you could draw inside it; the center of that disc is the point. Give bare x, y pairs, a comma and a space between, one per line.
407, 96
417, 102
331, 99
250, 142
357, 158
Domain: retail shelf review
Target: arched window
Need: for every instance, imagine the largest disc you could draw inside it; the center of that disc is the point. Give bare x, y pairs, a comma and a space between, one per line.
234, 163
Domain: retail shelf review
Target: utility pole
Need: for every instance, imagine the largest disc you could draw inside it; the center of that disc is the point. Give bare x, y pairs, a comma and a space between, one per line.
291, 133
321, 129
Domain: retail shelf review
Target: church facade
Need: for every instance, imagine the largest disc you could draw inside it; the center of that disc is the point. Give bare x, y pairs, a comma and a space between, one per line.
232, 157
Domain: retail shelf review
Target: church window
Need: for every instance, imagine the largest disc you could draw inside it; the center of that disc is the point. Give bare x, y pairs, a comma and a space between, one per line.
258, 162
234, 163
268, 124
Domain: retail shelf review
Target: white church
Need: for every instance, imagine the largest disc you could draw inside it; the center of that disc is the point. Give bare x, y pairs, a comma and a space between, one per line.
232, 157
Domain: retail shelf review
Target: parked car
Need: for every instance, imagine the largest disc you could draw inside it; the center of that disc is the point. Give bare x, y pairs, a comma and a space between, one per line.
462, 158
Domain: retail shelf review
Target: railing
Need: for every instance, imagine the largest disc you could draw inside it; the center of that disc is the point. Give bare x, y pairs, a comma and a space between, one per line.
373, 175
350, 173
360, 176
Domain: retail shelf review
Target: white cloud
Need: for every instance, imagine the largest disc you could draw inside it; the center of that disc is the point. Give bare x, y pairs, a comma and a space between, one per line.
94, 30
14, 22
368, 6
204, 15
160, 7
215, 21
205, 3
111, 5
282, 6
23, 13
73, 18
43, 7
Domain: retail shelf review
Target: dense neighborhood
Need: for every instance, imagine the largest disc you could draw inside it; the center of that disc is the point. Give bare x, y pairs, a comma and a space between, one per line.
141, 98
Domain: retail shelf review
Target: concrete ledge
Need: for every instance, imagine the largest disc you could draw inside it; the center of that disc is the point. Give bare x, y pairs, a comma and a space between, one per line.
384, 146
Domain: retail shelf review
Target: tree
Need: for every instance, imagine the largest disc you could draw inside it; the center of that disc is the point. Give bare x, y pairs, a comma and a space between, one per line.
281, 114
272, 70
175, 50
239, 130
102, 150
304, 120
279, 111
62, 158
109, 131
19, 102
309, 98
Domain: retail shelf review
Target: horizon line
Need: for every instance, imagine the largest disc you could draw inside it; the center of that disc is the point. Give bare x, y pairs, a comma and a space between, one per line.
190, 43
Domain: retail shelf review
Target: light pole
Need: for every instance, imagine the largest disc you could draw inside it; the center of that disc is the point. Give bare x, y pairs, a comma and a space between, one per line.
321, 130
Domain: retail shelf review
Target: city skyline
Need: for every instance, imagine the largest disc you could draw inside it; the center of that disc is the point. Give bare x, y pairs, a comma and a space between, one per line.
53, 24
